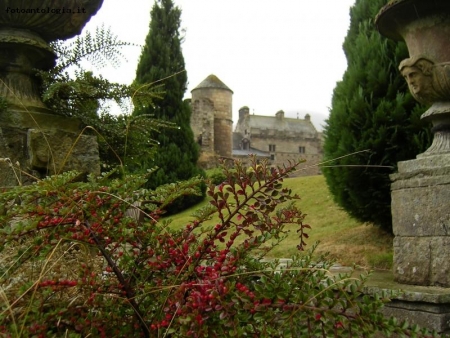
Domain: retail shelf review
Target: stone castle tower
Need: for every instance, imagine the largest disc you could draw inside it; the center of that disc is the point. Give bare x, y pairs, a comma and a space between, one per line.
211, 119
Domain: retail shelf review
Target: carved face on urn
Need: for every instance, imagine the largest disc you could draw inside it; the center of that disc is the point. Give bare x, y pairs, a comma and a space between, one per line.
416, 79
418, 73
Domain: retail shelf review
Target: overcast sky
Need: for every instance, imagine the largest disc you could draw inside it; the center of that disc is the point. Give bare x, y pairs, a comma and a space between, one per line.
274, 54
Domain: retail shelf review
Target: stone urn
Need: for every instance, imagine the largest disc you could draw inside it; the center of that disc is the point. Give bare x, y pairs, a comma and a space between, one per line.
420, 190
31, 135
26, 28
425, 27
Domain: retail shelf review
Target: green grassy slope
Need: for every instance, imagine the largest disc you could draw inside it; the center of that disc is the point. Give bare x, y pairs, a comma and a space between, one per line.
347, 240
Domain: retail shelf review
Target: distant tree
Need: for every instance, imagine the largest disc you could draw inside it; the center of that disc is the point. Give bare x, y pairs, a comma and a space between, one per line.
162, 62
371, 109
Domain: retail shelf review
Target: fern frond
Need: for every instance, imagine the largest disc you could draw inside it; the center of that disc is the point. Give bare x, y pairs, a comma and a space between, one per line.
101, 49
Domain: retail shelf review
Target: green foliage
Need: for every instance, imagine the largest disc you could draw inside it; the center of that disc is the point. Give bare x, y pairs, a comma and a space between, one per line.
215, 175
382, 260
73, 262
372, 110
126, 139
81, 94
162, 62
71, 91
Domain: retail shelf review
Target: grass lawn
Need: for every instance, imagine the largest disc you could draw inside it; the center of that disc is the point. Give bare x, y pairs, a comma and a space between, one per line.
347, 240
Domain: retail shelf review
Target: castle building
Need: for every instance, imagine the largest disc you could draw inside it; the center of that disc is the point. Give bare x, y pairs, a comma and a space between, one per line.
279, 139
275, 138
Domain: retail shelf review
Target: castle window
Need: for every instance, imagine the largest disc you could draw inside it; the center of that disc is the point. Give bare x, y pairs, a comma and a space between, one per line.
301, 150
272, 147
246, 144
272, 157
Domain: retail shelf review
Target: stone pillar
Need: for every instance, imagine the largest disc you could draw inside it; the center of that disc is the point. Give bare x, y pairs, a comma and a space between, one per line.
421, 188
421, 221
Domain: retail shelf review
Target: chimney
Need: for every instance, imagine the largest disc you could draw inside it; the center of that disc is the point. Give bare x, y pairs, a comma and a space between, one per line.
280, 115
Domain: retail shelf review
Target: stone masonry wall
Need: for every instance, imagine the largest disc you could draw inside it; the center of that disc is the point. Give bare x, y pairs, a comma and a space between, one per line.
221, 128
223, 137
287, 148
421, 221
202, 123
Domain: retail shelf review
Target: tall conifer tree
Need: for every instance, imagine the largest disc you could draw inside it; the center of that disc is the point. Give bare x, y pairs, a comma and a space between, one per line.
371, 109
162, 60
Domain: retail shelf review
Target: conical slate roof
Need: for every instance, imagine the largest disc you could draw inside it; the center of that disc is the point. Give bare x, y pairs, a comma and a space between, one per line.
212, 81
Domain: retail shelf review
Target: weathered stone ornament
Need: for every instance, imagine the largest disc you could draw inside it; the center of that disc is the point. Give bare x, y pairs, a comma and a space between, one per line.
26, 28
421, 188
425, 27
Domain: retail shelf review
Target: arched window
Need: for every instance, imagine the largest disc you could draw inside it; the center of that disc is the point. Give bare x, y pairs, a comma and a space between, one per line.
245, 144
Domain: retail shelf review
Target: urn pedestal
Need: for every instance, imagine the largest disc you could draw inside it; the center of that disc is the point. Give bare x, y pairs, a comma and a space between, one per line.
420, 190
421, 221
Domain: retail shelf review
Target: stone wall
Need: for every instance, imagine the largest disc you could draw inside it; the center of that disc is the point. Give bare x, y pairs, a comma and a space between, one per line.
27, 155
287, 149
421, 221
34, 145
223, 137
202, 123
426, 306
